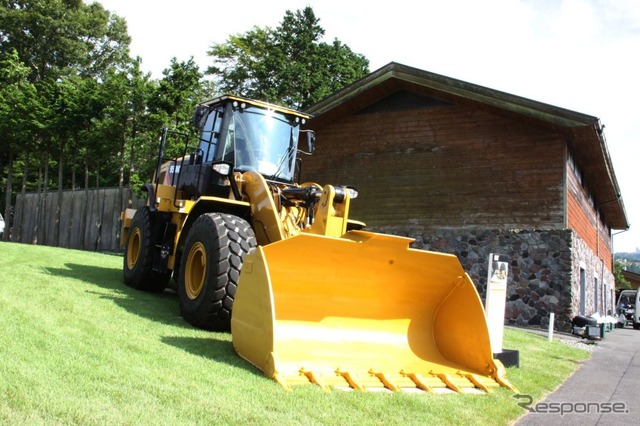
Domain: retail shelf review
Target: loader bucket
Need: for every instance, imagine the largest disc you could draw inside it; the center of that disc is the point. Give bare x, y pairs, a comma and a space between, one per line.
363, 311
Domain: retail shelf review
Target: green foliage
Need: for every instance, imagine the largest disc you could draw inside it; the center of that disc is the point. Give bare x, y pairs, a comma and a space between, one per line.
289, 64
19, 110
63, 48
72, 100
20, 117
621, 281
79, 347
56, 37
178, 93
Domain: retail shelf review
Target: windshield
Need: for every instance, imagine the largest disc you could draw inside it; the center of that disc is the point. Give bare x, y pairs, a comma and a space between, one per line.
262, 140
627, 299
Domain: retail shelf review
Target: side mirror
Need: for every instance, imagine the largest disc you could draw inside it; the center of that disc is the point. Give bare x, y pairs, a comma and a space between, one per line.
311, 141
200, 116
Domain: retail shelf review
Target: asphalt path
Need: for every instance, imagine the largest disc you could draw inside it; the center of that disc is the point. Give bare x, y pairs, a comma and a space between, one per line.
605, 390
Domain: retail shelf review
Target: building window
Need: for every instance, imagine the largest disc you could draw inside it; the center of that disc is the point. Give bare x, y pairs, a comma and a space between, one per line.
574, 168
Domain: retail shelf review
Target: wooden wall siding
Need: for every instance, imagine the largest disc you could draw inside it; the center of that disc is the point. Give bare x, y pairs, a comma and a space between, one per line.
633, 279
89, 220
581, 217
448, 166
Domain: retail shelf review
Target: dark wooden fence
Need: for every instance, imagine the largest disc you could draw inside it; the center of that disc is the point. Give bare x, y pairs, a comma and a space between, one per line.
88, 220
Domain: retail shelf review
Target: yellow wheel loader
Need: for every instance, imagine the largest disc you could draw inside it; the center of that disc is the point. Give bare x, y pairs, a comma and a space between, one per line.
309, 296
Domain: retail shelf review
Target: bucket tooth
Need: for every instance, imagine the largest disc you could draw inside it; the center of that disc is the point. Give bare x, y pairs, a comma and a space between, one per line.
313, 378
351, 379
504, 382
419, 381
449, 381
499, 376
281, 381
479, 382
386, 381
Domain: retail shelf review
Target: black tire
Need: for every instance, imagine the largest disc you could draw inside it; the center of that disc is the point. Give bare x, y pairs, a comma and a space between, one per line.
636, 325
210, 269
138, 255
582, 321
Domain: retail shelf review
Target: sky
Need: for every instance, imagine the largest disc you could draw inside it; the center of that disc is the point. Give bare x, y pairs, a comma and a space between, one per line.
582, 55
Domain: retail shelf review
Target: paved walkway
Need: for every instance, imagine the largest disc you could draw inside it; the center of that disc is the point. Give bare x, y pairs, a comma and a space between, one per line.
605, 390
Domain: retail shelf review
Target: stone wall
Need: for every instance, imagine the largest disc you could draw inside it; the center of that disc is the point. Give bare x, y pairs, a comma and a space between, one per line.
598, 279
541, 272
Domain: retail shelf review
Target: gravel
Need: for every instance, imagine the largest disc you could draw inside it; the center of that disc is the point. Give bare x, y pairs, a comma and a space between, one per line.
587, 345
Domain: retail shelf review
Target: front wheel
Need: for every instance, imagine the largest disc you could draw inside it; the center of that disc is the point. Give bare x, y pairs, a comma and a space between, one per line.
210, 269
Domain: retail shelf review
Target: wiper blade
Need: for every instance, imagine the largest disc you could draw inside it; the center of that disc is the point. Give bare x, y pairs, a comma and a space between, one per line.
286, 158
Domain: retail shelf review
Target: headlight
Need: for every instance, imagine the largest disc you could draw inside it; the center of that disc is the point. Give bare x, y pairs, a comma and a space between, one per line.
222, 168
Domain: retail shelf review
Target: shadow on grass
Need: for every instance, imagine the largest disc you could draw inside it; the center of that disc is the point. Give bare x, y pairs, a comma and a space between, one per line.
213, 348
158, 307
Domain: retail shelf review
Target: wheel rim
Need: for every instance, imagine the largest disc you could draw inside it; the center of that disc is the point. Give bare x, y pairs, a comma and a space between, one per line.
133, 248
195, 270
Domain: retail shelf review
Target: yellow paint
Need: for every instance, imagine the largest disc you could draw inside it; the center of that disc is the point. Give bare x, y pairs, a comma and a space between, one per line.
362, 311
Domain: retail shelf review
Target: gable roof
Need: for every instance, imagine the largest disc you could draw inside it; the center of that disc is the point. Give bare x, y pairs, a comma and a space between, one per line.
584, 133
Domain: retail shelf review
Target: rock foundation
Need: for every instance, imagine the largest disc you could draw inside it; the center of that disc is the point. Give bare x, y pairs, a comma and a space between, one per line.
542, 272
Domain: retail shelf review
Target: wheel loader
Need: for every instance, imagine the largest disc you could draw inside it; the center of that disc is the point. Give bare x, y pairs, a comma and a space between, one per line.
308, 294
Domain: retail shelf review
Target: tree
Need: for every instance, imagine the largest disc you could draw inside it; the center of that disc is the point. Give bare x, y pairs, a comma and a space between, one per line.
621, 281
19, 117
289, 65
171, 104
62, 44
54, 37
72, 100
178, 93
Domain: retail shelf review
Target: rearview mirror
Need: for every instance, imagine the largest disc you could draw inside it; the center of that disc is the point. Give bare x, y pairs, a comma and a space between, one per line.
311, 140
200, 115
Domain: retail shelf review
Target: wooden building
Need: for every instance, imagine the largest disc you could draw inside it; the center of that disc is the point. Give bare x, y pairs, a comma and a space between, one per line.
633, 278
469, 170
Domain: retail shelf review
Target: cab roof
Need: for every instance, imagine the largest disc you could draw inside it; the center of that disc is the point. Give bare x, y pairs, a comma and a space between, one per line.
260, 104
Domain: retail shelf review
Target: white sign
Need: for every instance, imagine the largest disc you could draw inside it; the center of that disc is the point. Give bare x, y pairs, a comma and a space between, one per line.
496, 299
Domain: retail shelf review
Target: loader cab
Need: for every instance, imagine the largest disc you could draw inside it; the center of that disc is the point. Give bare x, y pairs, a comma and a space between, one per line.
243, 135
250, 135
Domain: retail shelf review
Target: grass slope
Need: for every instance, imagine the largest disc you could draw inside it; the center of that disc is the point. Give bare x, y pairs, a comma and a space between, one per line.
78, 347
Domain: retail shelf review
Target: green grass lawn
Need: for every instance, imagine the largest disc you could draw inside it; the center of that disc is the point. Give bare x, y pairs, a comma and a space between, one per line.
78, 347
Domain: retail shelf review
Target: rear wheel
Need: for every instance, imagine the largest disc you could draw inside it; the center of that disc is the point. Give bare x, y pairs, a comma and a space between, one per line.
138, 254
210, 269
636, 325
